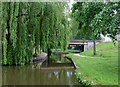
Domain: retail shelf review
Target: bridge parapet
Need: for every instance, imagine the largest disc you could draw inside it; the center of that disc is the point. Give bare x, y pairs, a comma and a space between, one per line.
85, 41
85, 44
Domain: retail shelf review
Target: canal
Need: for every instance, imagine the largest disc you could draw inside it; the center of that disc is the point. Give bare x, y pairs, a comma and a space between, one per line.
55, 73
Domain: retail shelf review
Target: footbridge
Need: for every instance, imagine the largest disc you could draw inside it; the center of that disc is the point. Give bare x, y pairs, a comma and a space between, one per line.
83, 45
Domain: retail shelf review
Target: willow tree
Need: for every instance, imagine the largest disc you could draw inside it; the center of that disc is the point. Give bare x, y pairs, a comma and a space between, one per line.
53, 27
14, 33
4, 39
0, 33
26, 26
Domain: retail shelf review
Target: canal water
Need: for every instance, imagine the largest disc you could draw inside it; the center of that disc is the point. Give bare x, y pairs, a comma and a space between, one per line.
40, 74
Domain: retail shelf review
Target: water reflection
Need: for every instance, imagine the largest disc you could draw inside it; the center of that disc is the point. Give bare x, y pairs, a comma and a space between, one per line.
40, 74
29, 75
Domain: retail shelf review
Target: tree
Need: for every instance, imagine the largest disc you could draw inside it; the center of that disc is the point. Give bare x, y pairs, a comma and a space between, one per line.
0, 32
86, 13
31, 25
107, 21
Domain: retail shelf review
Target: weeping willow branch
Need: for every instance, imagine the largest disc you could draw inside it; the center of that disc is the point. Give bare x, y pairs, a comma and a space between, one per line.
32, 26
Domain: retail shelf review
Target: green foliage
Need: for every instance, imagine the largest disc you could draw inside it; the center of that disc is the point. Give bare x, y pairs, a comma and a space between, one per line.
4, 40
0, 32
32, 26
83, 13
106, 21
96, 18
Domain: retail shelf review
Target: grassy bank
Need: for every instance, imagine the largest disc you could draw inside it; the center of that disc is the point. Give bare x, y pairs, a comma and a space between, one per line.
98, 71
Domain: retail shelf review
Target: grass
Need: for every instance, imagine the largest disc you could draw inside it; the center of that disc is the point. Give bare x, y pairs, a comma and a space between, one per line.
108, 49
98, 71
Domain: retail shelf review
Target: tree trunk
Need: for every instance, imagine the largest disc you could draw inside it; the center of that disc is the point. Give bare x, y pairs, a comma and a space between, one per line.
8, 27
94, 47
49, 55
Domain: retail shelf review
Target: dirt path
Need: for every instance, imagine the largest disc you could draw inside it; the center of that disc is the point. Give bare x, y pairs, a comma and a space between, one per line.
84, 56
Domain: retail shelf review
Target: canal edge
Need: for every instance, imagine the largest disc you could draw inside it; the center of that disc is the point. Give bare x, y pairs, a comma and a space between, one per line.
84, 83
74, 64
38, 59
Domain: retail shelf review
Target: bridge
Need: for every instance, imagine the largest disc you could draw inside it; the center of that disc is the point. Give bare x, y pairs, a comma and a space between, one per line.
83, 45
